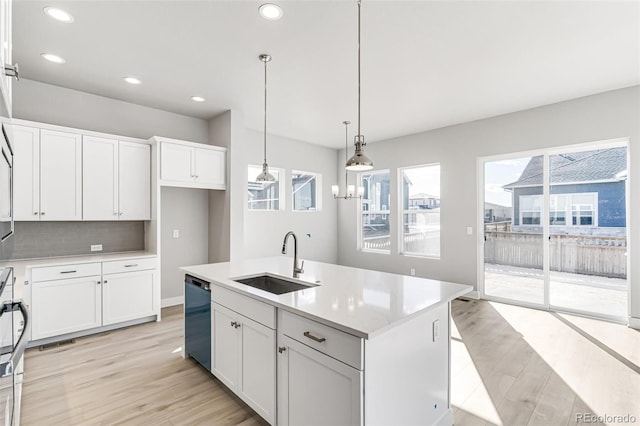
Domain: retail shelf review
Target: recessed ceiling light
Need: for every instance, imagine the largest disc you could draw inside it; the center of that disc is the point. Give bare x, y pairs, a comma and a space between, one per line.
53, 58
270, 11
58, 14
131, 80
197, 99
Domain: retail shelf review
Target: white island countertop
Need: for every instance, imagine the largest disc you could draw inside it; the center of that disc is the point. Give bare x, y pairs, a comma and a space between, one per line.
358, 301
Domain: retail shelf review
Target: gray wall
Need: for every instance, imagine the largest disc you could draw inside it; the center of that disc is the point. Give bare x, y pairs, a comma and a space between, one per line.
219, 201
609, 115
186, 210
47, 239
264, 230
50, 104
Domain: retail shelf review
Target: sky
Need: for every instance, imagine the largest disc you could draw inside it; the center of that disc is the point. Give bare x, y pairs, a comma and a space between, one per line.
499, 173
425, 180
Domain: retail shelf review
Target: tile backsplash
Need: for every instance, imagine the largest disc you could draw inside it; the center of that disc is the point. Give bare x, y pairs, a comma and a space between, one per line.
49, 239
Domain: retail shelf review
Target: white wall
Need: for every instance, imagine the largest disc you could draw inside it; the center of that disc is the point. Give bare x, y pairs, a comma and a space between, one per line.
262, 232
609, 115
186, 210
219, 201
46, 103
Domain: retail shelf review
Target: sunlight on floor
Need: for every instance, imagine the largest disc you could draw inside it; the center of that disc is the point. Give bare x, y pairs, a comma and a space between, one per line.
468, 392
177, 350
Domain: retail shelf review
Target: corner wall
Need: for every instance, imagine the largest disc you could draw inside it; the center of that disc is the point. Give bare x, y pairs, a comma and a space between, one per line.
609, 115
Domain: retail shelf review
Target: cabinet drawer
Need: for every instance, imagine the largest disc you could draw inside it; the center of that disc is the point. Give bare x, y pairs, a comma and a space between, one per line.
61, 272
258, 311
129, 265
335, 343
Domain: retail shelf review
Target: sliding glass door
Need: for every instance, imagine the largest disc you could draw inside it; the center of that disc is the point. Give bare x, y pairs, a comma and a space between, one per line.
555, 233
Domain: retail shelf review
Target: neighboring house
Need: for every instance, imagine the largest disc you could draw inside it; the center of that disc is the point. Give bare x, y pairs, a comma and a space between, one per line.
424, 201
496, 213
587, 192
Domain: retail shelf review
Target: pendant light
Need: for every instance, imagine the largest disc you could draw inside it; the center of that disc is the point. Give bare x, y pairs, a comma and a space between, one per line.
359, 161
350, 189
265, 176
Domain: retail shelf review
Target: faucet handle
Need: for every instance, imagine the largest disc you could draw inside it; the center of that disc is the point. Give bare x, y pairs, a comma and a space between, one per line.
302, 267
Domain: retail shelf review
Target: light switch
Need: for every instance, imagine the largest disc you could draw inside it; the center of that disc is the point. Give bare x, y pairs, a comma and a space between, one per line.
412, 272
96, 247
176, 233
469, 230
436, 330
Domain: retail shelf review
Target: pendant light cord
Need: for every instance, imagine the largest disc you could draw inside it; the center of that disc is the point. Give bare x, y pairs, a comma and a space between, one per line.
359, 6
265, 111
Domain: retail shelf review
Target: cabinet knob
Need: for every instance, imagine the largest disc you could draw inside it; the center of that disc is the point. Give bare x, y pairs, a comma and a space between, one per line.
233, 323
42, 213
12, 71
120, 214
98, 282
35, 213
115, 213
281, 349
104, 282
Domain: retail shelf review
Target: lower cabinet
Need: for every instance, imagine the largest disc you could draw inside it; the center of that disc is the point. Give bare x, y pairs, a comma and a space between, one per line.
75, 297
316, 389
65, 306
243, 358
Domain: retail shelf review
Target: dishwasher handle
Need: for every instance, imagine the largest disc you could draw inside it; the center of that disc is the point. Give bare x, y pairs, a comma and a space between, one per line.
205, 285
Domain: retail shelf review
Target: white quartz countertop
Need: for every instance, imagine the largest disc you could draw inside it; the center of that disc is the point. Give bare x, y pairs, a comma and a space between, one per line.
358, 301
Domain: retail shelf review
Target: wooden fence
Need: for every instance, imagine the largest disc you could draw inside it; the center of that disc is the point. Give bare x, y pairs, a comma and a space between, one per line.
579, 254
414, 242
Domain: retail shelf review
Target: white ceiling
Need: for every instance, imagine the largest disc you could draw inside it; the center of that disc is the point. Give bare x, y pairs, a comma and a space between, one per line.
425, 64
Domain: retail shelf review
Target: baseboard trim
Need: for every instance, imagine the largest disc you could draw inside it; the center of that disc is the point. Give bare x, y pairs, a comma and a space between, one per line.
172, 301
634, 323
475, 295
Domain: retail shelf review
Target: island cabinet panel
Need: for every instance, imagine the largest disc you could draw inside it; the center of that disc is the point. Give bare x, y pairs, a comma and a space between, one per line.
243, 356
316, 389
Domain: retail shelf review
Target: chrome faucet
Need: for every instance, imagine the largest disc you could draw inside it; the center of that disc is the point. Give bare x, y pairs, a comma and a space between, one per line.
296, 269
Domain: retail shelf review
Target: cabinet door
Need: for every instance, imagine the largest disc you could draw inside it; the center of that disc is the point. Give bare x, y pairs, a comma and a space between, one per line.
26, 173
225, 342
176, 162
128, 296
315, 389
99, 179
60, 176
257, 383
210, 167
135, 181
64, 306
5, 52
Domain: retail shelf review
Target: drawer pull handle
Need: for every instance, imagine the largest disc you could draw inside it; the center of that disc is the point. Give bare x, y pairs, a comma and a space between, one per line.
235, 324
68, 272
131, 266
281, 349
312, 337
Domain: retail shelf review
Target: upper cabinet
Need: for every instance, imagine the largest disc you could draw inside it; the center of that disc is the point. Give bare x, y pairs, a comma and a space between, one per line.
7, 69
47, 175
116, 179
192, 165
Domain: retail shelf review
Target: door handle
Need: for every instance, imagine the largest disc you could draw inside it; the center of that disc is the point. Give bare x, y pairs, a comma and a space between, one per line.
12, 71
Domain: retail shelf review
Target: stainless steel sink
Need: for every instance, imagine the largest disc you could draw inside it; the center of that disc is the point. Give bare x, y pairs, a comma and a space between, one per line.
272, 284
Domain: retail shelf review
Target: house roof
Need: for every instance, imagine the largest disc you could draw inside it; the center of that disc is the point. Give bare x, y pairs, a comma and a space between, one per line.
488, 205
422, 195
580, 167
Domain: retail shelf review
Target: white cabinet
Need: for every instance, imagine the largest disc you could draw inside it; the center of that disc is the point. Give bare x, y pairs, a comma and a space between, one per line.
243, 350
116, 180
48, 175
65, 306
127, 296
5, 56
191, 165
69, 298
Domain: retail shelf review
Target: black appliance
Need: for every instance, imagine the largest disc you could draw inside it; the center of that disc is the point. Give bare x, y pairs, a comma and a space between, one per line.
197, 320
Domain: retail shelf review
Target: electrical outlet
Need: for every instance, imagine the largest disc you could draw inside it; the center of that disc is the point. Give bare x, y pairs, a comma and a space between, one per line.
413, 272
96, 247
469, 230
176, 233
436, 330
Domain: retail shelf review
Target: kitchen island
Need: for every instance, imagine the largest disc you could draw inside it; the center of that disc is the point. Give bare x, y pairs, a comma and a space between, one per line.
353, 346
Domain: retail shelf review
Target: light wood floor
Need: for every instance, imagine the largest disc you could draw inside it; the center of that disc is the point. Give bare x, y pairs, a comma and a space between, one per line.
510, 366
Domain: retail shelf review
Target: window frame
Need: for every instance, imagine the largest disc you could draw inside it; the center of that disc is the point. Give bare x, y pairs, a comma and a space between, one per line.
361, 211
281, 189
318, 178
568, 211
402, 212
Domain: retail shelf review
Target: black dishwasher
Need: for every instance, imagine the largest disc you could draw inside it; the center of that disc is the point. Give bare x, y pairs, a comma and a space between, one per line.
197, 320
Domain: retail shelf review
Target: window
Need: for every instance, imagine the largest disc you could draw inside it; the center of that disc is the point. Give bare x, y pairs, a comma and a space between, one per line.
305, 191
374, 210
264, 196
581, 208
420, 210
